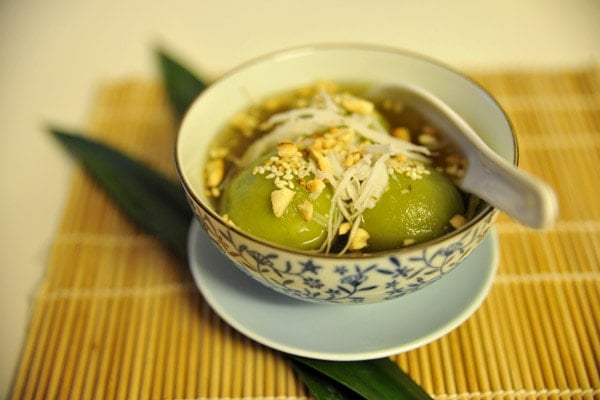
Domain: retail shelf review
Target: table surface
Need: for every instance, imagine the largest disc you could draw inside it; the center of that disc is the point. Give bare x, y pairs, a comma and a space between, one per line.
56, 55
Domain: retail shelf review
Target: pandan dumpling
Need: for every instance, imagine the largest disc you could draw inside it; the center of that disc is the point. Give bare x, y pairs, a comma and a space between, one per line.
412, 211
252, 201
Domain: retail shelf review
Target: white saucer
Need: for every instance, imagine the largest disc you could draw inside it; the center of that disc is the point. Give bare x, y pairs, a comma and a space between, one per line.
341, 332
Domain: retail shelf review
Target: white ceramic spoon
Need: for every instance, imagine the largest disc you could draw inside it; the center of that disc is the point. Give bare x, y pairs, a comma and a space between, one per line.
489, 176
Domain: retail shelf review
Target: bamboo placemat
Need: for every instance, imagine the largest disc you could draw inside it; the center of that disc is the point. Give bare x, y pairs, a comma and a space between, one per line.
117, 316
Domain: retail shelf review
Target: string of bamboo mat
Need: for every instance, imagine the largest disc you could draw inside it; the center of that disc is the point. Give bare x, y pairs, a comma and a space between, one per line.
117, 316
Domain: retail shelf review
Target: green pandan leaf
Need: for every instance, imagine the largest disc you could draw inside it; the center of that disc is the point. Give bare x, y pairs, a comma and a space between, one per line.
322, 387
378, 379
182, 85
151, 200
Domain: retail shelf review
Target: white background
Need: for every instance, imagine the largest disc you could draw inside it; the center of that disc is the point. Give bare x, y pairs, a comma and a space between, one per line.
55, 53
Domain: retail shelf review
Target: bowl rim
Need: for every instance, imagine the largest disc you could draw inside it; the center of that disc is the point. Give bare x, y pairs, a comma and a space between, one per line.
297, 51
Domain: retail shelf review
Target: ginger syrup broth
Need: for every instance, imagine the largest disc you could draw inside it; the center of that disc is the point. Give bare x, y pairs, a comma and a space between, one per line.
315, 166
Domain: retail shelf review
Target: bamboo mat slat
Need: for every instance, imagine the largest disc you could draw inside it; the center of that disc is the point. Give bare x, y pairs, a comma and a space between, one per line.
117, 316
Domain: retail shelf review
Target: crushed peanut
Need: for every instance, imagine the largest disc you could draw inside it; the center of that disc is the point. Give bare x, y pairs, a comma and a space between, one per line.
401, 133
306, 210
360, 240
408, 242
455, 166
344, 228
287, 149
227, 219
315, 185
427, 139
280, 200
245, 122
356, 104
214, 172
351, 159
457, 221
452, 170
323, 162
393, 105
218, 152
276, 103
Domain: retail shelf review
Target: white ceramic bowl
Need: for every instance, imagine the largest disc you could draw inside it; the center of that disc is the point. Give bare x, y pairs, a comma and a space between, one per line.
344, 279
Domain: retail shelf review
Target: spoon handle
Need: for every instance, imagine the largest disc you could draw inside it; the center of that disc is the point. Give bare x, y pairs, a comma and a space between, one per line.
491, 177
515, 192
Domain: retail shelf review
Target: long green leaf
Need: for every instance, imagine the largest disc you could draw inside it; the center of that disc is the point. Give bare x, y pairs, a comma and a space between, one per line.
322, 387
378, 379
150, 199
182, 85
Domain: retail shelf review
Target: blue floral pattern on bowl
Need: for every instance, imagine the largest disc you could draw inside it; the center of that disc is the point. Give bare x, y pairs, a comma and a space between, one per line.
344, 279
